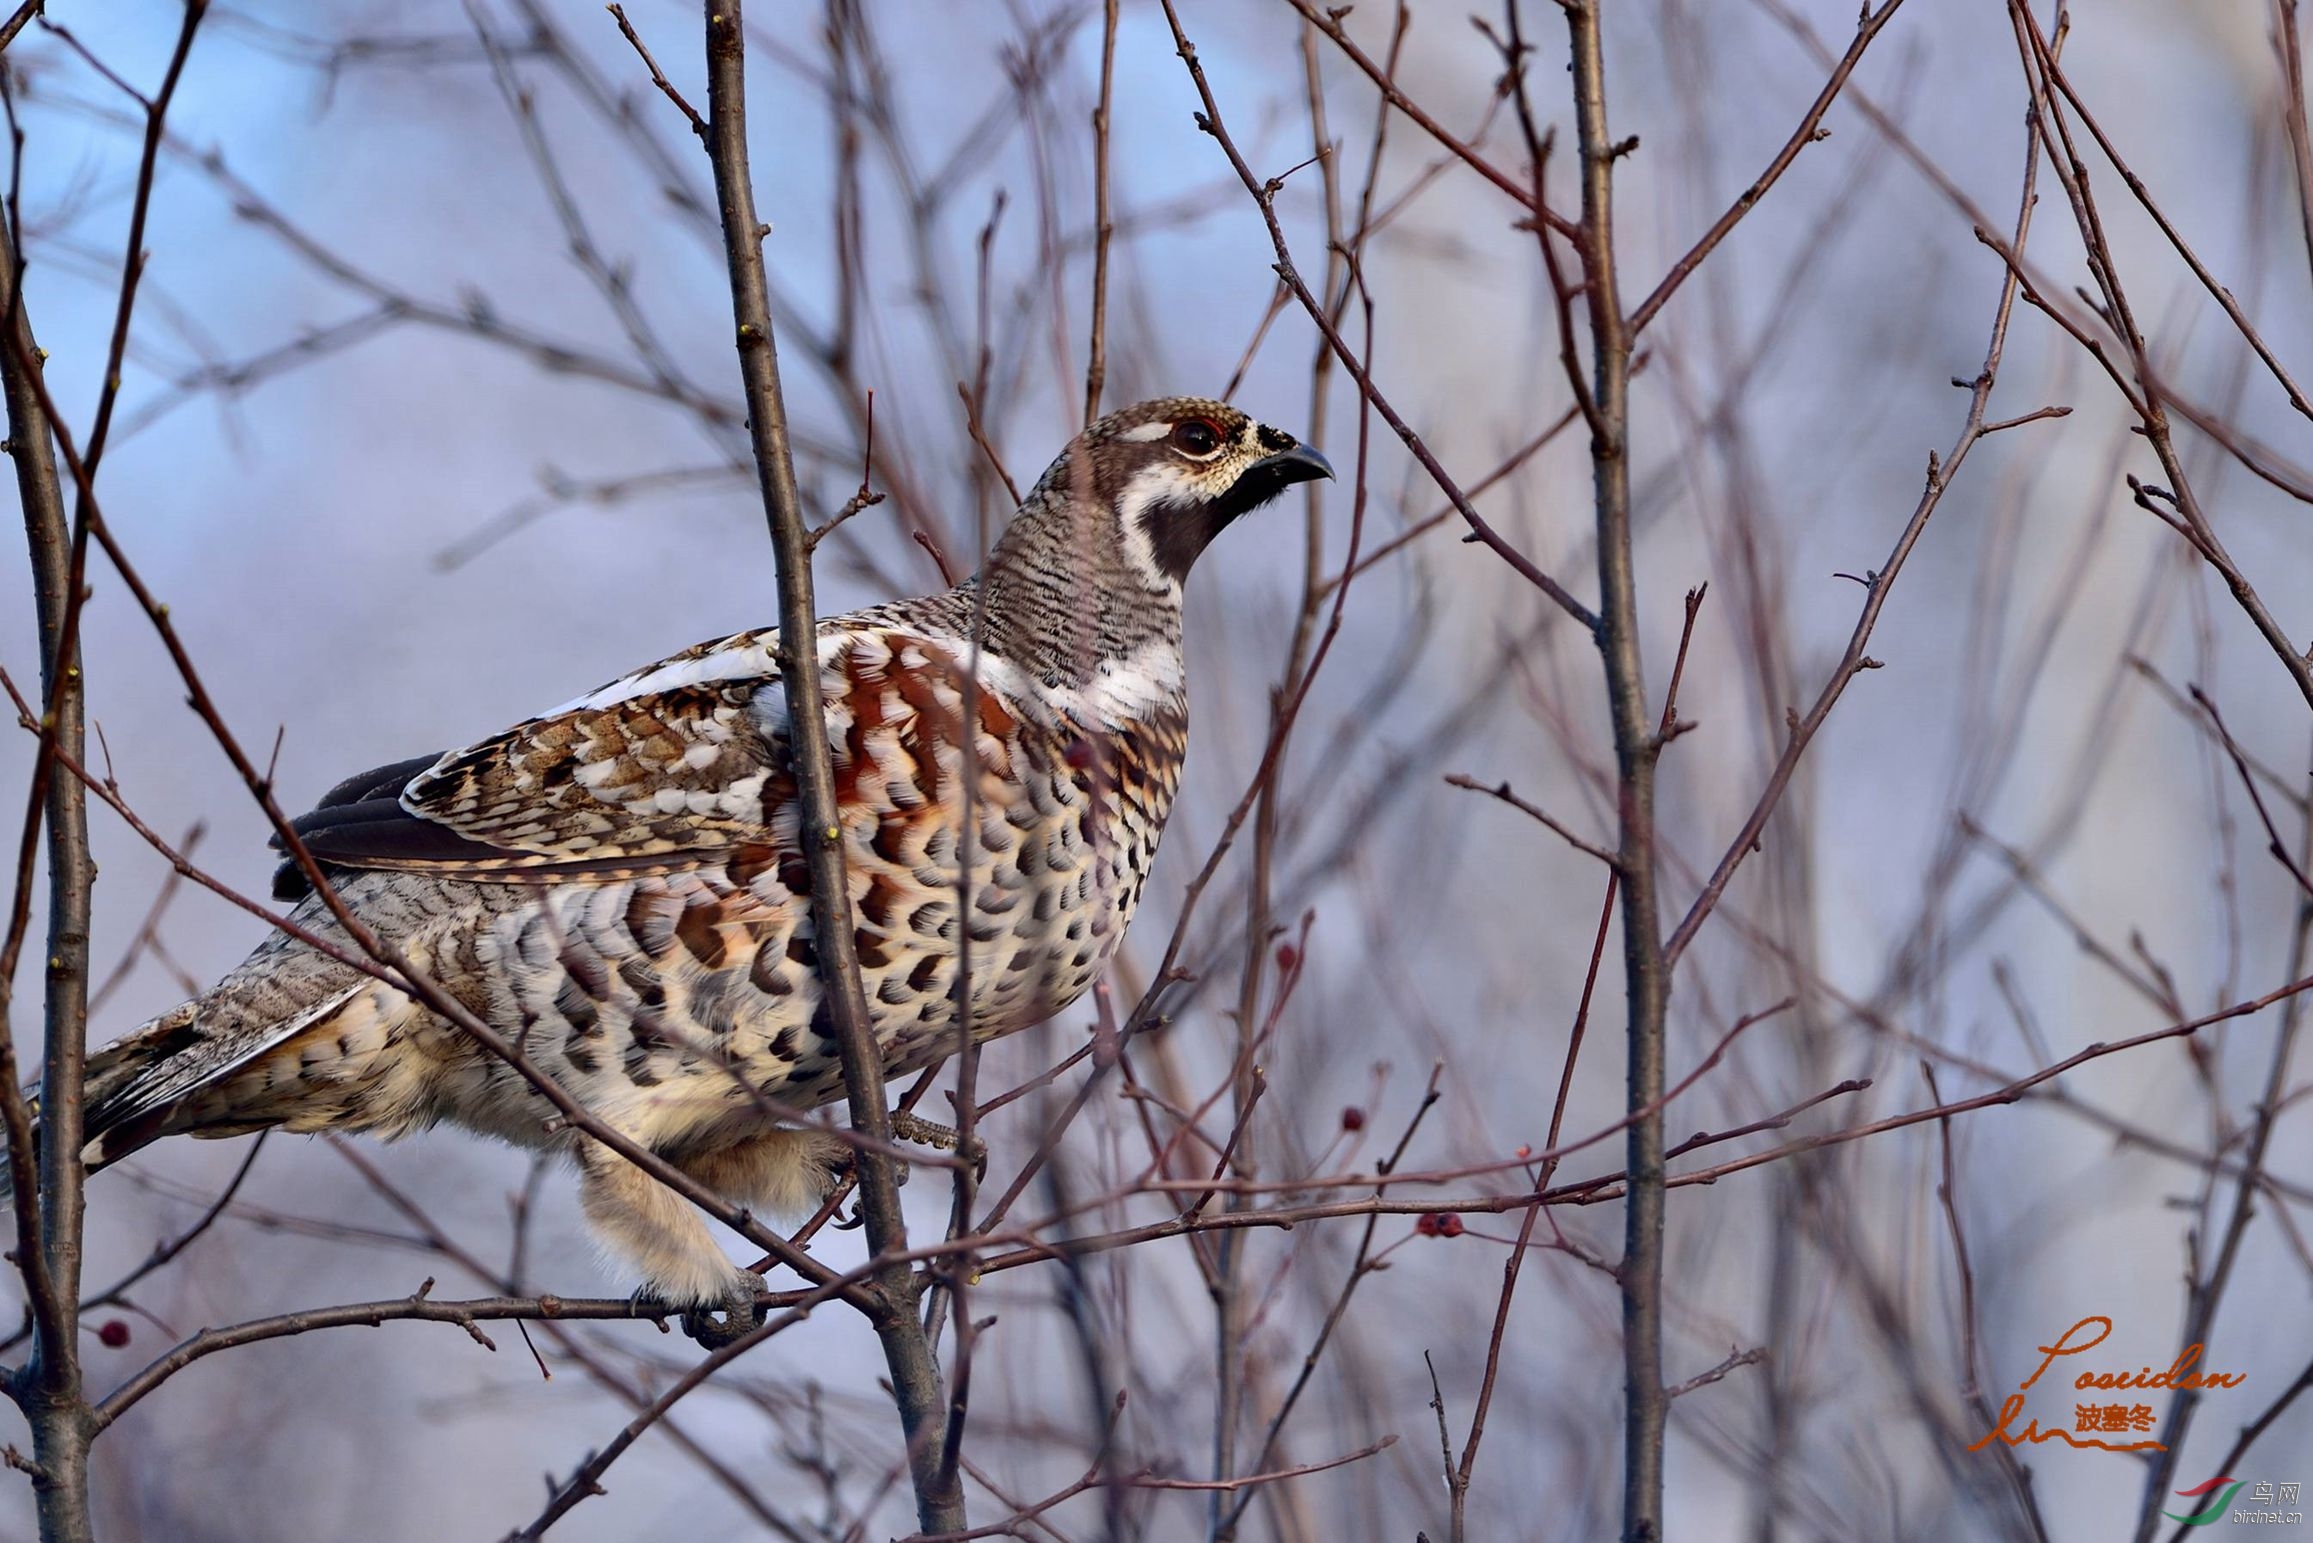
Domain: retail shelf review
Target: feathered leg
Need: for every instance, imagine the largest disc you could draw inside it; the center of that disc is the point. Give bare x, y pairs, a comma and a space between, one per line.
665, 1237
779, 1173
782, 1173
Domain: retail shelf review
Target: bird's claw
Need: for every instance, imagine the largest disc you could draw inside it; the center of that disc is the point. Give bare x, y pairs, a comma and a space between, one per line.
645, 1303
712, 1325
906, 1126
848, 1173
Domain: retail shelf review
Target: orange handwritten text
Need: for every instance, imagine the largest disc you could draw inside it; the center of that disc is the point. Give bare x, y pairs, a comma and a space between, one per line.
2089, 1417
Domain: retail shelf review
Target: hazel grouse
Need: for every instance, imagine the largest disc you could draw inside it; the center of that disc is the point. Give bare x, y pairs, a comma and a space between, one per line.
617, 884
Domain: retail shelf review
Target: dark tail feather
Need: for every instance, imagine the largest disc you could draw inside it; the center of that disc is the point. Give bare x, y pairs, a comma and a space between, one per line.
111, 1130
111, 1071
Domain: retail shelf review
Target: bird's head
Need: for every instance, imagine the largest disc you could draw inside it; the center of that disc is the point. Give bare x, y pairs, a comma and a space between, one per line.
1174, 473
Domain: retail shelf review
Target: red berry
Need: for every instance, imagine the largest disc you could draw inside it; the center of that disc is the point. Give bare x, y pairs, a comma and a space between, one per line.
1353, 1118
1439, 1224
114, 1333
1287, 956
1427, 1225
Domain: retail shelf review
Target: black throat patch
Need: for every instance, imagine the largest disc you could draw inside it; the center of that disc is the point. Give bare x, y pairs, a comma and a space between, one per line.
1179, 531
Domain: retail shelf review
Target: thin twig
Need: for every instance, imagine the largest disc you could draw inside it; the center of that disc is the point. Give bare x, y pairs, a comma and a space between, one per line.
658, 79
1264, 195
1103, 222
1542, 817
1809, 131
1735, 1360
1853, 661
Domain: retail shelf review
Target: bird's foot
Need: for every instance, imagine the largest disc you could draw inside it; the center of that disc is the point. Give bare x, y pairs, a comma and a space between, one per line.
915, 1129
646, 1303
940, 1138
712, 1325
855, 1217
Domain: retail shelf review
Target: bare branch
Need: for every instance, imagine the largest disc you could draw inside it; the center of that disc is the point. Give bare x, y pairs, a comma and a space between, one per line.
915, 1379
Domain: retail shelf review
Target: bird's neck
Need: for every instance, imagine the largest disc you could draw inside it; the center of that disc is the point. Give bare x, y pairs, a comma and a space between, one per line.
1062, 597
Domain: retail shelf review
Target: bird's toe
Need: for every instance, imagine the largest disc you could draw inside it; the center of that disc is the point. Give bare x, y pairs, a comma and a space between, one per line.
733, 1316
717, 1325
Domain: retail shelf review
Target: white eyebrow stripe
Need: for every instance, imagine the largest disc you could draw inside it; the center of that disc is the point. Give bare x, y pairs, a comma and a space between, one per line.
1141, 434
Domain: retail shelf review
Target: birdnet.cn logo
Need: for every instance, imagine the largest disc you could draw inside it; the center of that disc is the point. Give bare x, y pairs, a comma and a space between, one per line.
2268, 1503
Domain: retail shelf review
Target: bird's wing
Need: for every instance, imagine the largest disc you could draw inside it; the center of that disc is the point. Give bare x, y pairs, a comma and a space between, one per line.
671, 764
684, 757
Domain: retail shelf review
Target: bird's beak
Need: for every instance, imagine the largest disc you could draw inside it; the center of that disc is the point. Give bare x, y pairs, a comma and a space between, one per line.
1265, 479
1286, 467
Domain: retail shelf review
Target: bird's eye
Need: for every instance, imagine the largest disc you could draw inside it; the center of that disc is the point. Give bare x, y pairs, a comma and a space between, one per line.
1197, 437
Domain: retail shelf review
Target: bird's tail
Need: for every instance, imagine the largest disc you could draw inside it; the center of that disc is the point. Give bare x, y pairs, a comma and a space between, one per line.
110, 1071
148, 1083
115, 1073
